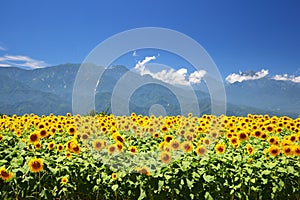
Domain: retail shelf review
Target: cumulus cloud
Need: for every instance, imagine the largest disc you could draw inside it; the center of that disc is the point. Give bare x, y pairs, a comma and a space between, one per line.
171, 76
232, 78
197, 76
286, 77
21, 61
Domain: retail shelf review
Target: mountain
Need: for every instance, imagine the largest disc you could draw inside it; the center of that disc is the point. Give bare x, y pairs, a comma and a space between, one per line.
49, 90
267, 94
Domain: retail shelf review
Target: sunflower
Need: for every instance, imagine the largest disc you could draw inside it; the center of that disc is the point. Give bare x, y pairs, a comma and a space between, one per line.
112, 148
164, 129
120, 139
293, 138
250, 149
201, 150
257, 133
114, 176
84, 136
175, 144
70, 144
274, 150
285, 142
98, 145
168, 138
72, 130
60, 147
220, 148
188, 136
52, 130
119, 146
264, 136
273, 140
270, 128
187, 146
64, 180
36, 164
76, 148
163, 145
242, 136
234, 141
144, 170
297, 150
18, 133
34, 137
1, 137
51, 145
43, 133
155, 135
133, 149
206, 141
41, 125
37, 145
165, 157
5, 175
68, 154
288, 150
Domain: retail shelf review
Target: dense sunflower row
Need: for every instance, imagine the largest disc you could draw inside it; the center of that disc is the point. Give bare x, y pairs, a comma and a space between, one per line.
114, 148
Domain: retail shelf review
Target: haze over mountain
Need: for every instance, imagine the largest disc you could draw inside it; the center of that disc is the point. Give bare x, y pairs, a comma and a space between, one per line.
49, 90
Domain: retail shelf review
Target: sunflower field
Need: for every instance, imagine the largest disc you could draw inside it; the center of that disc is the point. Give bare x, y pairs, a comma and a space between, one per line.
148, 157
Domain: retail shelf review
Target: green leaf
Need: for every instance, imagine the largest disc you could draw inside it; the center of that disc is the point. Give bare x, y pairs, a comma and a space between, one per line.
189, 183
290, 170
195, 175
182, 182
2, 162
249, 170
281, 170
271, 165
114, 187
208, 178
185, 164
16, 162
264, 181
142, 195
257, 164
60, 158
95, 188
167, 177
255, 189
208, 196
192, 196
274, 189
281, 184
160, 184
266, 172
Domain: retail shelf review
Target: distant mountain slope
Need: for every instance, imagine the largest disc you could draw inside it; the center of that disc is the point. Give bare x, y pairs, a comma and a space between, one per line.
267, 94
49, 90
19, 98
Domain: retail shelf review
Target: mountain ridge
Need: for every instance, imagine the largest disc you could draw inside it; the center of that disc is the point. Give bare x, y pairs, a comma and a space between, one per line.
49, 90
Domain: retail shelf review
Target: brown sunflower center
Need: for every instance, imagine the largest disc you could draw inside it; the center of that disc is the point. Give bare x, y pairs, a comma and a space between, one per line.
36, 165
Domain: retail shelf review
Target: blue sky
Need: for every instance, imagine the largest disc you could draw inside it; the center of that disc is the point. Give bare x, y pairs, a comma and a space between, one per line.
238, 35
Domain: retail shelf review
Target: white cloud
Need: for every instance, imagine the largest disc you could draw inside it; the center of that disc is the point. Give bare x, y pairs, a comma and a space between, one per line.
2, 48
232, 78
4, 65
197, 76
21, 61
286, 77
171, 76
140, 65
